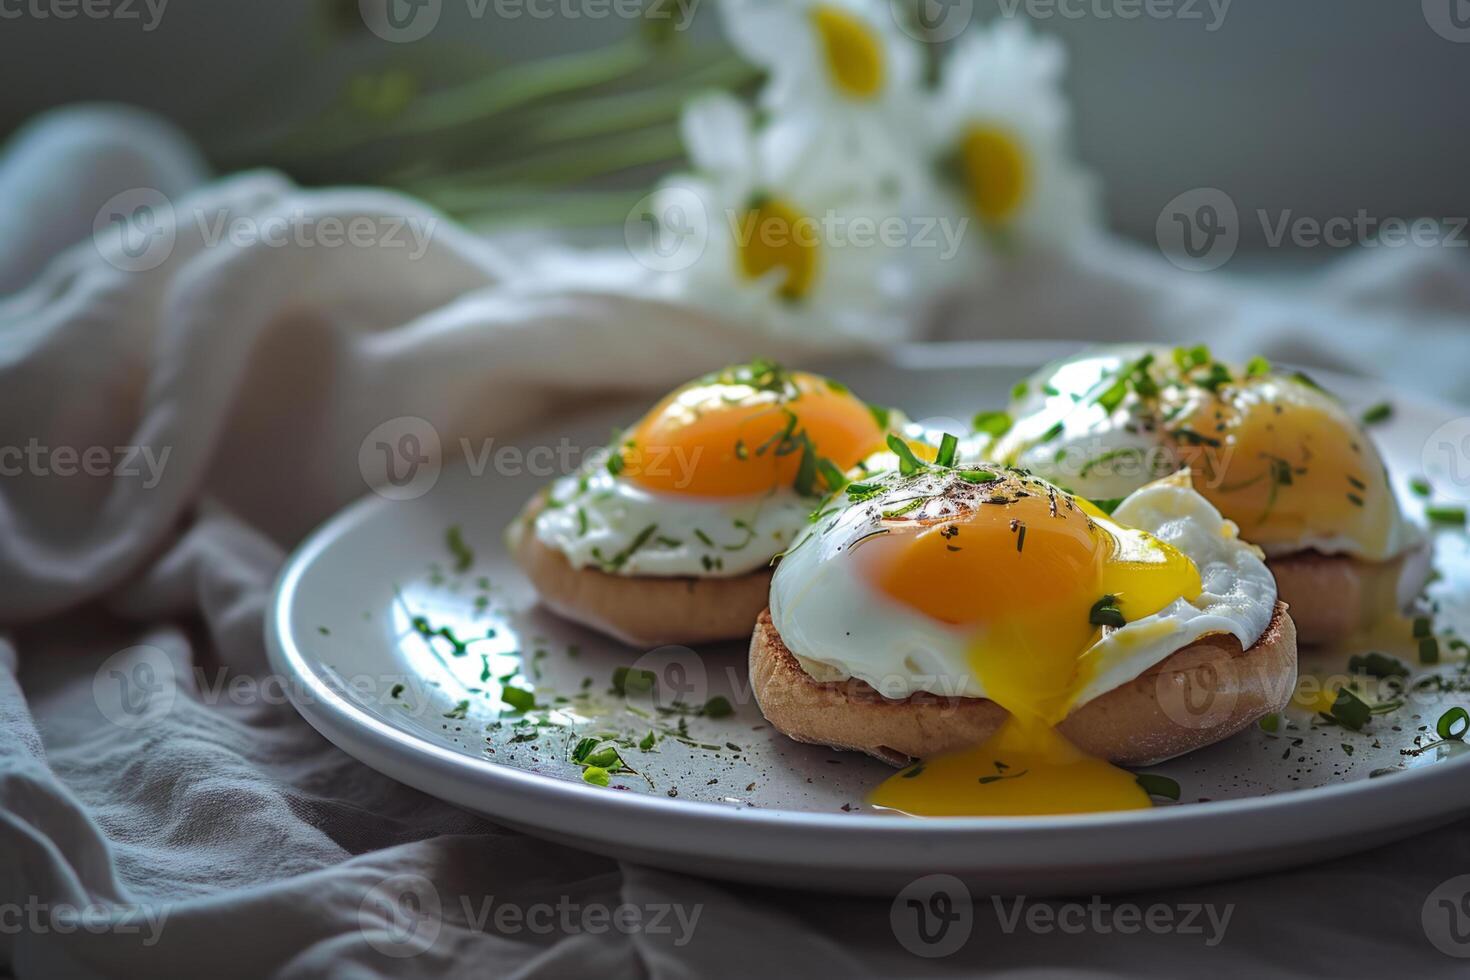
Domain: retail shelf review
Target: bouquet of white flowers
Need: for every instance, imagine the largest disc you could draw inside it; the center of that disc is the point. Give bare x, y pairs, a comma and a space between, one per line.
845, 165
854, 189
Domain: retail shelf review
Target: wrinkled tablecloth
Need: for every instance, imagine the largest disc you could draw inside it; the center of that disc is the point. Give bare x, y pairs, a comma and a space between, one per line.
216, 388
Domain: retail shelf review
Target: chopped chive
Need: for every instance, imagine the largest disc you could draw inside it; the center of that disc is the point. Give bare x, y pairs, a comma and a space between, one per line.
1429, 650
1441, 514
1270, 723
464, 556
1420, 486
1161, 786
717, 707
626, 680
1453, 724
994, 424
908, 463
1257, 366
948, 446
648, 741
1105, 612
1377, 665
518, 698
1377, 413
1019, 391
596, 775
978, 476
1349, 710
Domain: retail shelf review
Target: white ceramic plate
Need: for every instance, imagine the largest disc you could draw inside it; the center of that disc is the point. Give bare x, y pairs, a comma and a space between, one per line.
734, 798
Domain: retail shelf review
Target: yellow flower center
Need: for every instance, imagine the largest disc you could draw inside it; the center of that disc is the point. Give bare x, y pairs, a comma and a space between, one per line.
995, 171
854, 55
775, 235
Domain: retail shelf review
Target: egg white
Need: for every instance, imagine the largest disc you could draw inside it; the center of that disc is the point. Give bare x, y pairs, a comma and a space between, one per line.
595, 516
839, 627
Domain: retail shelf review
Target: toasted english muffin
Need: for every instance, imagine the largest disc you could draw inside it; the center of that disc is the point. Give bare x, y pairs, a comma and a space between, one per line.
1199, 695
1334, 596
640, 610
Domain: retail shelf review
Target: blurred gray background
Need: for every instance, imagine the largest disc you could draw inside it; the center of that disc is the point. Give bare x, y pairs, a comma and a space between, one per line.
1324, 107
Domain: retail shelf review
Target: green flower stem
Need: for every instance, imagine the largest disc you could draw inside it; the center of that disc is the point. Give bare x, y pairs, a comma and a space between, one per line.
501, 207
482, 98
623, 111
520, 84
566, 164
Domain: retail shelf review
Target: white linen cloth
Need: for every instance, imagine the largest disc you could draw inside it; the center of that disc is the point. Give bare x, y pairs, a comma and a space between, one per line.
232, 840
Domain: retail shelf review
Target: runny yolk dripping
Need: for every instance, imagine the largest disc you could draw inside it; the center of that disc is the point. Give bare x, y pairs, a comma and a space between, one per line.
1284, 461
1021, 579
744, 433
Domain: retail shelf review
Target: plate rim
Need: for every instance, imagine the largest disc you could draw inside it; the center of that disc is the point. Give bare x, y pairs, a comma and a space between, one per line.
339, 720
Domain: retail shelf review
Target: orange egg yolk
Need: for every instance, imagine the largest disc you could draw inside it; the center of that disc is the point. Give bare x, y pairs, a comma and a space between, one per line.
1286, 463
732, 435
1021, 579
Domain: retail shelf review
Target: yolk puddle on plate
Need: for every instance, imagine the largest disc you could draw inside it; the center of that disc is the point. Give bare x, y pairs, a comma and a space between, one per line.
1027, 602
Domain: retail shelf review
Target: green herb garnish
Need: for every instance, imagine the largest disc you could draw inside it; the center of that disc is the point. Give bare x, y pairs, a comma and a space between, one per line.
717, 707
1380, 412
1106, 612
1349, 710
1377, 665
626, 680
518, 698
994, 424
1441, 514
1161, 786
908, 463
949, 445
464, 557
1453, 724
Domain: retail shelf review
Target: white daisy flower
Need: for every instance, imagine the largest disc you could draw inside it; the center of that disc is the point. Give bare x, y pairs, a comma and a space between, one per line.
789, 247
1000, 125
844, 81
